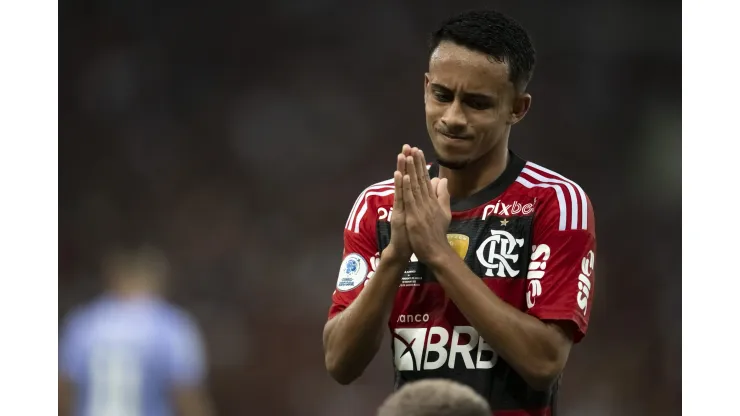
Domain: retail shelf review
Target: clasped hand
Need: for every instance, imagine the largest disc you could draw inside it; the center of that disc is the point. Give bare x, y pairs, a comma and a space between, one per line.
421, 209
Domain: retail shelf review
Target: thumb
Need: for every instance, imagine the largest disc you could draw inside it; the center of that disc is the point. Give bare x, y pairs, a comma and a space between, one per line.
443, 195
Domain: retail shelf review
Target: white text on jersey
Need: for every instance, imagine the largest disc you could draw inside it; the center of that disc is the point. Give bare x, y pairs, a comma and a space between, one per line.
412, 348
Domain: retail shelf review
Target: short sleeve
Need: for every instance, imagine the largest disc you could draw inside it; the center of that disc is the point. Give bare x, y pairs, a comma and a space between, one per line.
360, 255
561, 270
186, 355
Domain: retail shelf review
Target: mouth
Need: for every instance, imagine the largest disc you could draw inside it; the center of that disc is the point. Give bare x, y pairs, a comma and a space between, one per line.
455, 137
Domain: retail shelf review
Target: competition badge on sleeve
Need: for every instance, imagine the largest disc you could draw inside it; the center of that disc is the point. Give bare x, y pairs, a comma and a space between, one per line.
352, 272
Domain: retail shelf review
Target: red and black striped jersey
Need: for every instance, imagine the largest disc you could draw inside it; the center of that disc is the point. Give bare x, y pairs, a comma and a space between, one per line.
529, 236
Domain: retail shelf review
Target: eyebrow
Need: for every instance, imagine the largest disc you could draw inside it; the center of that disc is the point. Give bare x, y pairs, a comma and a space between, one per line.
475, 95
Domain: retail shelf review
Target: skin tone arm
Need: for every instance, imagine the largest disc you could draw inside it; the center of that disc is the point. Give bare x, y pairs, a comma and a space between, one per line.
66, 393
353, 337
192, 401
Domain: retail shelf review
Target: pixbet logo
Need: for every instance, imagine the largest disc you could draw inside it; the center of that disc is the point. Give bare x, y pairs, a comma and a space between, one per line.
507, 210
584, 283
537, 264
497, 253
417, 349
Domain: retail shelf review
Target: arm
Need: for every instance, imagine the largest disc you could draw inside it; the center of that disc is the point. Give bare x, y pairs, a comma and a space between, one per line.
192, 401
66, 393
353, 336
535, 349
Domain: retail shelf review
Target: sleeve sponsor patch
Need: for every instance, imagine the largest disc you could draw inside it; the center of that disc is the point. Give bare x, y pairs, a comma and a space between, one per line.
352, 272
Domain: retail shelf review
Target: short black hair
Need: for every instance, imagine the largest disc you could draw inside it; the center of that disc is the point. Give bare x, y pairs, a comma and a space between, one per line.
494, 34
435, 397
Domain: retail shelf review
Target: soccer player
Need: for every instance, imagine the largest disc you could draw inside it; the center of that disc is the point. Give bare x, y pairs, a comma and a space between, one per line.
435, 397
484, 273
130, 352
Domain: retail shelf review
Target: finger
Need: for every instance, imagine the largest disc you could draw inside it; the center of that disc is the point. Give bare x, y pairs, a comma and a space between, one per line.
411, 173
443, 195
421, 175
409, 201
401, 164
398, 195
406, 150
434, 182
425, 174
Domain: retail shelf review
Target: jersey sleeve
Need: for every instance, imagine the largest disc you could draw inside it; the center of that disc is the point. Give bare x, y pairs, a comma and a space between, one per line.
360, 254
561, 270
186, 362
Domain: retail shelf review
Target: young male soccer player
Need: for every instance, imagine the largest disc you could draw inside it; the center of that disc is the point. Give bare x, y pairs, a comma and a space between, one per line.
482, 263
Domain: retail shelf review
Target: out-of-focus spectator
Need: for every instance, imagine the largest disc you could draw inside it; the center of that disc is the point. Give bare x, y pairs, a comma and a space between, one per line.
129, 352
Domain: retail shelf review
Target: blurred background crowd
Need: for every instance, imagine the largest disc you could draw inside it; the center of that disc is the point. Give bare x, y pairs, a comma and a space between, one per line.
236, 136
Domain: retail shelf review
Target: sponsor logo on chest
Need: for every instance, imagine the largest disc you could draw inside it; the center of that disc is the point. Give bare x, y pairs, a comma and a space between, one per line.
503, 209
419, 349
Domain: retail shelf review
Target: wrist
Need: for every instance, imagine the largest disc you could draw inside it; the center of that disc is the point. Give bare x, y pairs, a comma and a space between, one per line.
442, 257
392, 256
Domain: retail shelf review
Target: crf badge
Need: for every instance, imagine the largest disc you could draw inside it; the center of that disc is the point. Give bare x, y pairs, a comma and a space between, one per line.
497, 254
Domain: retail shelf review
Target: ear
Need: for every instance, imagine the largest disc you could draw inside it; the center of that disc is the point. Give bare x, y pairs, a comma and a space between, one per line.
426, 86
520, 107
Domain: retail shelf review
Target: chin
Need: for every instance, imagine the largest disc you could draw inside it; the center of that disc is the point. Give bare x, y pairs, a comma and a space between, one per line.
452, 162
452, 158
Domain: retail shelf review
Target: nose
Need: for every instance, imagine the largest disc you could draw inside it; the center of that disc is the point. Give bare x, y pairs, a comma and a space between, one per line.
454, 118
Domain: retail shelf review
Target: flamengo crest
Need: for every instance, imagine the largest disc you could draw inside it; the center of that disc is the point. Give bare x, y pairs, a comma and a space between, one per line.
497, 254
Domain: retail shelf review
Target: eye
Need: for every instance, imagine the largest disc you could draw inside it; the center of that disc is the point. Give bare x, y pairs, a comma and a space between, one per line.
478, 103
442, 96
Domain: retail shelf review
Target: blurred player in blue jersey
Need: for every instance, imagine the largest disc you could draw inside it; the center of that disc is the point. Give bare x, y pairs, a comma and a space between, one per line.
129, 352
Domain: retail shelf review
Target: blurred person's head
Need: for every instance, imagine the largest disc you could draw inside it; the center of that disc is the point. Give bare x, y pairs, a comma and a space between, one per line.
135, 270
435, 397
479, 66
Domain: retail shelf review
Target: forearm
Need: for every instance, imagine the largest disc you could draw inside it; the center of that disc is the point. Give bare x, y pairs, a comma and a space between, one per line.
353, 337
529, 345
66, 393
192, 401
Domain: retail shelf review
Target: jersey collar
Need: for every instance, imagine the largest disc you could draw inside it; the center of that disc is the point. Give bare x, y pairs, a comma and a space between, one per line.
493, 190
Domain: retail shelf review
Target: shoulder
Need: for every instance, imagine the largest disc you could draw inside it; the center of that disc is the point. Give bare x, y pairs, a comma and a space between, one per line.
368, 202
75, 325
560, 196
81, 315
73, 320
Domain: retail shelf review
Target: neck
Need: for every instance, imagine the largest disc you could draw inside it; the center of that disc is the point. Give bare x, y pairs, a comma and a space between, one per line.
133, 290
480, 173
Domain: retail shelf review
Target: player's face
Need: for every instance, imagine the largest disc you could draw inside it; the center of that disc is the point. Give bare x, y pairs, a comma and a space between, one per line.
470, 104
